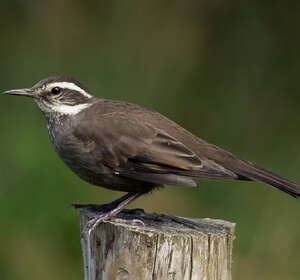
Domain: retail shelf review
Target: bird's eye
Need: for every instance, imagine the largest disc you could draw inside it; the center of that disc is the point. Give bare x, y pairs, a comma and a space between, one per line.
56, 90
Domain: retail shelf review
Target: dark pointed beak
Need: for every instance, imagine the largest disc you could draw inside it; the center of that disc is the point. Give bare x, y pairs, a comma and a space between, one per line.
22, 91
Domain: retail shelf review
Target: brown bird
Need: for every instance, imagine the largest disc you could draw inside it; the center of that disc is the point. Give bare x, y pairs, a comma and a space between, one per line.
125, 147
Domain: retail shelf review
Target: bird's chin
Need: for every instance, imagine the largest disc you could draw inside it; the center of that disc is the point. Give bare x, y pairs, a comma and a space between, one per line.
46, 108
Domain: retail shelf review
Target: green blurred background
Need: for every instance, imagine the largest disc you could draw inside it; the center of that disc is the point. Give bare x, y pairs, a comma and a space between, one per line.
226, 70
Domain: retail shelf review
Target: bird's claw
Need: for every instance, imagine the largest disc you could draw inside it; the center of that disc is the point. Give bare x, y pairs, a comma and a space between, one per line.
94, 222
128, 222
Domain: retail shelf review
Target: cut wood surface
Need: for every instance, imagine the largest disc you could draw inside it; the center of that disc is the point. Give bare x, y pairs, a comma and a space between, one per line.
167, 247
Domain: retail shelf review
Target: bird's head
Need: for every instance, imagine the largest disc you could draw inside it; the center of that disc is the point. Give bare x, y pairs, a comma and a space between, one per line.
58, 94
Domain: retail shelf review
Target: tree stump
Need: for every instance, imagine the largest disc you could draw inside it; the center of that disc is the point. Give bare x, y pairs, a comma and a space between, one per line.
167, 247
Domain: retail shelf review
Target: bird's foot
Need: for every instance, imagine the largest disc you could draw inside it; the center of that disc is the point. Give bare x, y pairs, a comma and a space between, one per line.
133, 222
108, 212
94, 222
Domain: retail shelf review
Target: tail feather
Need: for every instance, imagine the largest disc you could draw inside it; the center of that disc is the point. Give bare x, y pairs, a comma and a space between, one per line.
260, 174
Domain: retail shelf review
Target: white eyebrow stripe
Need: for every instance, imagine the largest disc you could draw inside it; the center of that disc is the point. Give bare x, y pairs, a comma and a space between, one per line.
69, 85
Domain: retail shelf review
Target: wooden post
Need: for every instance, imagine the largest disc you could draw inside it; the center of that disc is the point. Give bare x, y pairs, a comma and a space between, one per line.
167, 247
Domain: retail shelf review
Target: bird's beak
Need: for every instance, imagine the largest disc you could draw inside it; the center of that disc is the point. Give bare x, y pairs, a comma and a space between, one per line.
22, 91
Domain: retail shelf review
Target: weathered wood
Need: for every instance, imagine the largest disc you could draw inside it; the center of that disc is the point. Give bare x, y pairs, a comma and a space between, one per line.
167, 247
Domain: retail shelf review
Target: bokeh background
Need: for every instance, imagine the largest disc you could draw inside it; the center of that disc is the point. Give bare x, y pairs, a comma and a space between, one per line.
226, 70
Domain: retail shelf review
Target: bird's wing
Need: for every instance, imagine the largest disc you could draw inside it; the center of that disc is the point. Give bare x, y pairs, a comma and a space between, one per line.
134, 148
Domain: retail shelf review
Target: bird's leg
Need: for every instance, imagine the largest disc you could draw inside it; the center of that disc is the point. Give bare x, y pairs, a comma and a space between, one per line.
103, 207
118, 204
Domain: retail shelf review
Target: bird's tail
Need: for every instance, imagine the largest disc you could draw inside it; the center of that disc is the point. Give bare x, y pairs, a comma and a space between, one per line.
253, 172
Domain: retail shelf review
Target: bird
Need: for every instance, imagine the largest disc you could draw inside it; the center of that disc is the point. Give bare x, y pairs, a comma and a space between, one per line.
126, 147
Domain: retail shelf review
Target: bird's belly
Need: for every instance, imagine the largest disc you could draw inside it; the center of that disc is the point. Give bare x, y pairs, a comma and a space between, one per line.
103, 176
90, 169
85, 160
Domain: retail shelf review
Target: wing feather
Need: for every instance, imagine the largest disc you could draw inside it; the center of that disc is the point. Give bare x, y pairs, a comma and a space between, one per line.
136, 149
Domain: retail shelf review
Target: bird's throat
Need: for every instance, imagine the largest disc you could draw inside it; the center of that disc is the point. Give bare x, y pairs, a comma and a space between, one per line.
61, 109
